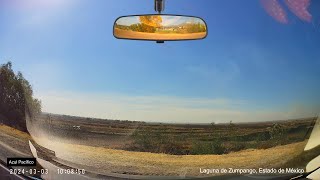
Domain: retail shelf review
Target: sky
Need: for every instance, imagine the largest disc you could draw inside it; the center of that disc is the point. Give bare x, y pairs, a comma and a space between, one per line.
167, 20
251, 67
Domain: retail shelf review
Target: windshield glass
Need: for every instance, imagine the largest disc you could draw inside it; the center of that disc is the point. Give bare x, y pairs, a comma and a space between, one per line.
86, 104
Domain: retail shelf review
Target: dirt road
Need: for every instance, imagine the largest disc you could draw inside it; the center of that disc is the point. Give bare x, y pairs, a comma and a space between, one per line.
156, 36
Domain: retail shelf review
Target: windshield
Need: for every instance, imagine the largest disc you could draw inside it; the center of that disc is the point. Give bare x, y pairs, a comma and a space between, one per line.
244, 99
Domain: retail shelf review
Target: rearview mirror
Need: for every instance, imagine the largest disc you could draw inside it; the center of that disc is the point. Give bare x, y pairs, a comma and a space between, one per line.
159, 27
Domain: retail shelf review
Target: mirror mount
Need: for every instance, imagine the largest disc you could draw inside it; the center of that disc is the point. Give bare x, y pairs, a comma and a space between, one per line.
159, 6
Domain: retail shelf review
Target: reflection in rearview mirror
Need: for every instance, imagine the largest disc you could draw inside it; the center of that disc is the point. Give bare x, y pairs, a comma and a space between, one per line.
160, 28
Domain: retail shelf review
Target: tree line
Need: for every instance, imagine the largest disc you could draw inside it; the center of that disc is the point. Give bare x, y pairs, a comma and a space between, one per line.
186, 28
138, 28
16, 98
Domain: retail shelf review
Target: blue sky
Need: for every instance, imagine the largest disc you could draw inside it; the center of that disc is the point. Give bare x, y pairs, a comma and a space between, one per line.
166, 20
249, 68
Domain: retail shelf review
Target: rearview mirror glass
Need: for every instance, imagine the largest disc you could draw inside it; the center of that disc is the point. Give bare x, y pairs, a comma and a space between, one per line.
160, 27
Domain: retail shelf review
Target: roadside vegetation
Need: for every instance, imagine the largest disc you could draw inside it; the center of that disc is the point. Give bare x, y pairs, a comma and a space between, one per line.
215, 140
16, 98
177, 139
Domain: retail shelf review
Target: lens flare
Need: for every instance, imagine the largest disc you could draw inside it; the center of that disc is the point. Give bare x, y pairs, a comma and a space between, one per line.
275, 10
297, 7
300, 9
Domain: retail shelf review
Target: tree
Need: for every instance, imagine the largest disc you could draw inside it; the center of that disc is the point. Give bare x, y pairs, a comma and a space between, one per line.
277, 131
16, 98
196, 28
231, 125
150, 23
153, 21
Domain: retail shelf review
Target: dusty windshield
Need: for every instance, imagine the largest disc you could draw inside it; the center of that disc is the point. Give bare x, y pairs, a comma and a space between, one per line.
85, 104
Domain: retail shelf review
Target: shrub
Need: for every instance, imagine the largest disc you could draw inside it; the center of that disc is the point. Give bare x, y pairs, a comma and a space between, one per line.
157, 141
213, 147
277, 131
142, 139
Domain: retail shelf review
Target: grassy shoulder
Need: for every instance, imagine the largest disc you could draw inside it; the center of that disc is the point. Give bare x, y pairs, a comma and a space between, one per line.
14, 132
105, 160
13, 143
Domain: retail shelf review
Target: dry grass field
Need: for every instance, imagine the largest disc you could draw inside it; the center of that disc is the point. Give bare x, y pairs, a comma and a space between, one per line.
105, 161
100, 146
176, 139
